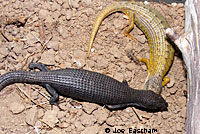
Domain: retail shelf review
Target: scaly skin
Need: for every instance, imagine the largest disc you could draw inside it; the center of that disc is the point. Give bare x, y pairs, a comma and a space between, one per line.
85, 85
153, 24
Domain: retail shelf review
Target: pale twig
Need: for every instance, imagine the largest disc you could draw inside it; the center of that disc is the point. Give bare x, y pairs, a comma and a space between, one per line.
50, 126
30, 97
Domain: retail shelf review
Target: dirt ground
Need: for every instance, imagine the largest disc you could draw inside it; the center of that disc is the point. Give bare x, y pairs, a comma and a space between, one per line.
67, 25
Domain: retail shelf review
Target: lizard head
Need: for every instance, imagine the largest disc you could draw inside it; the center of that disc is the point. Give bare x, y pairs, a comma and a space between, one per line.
151, 100
154, 84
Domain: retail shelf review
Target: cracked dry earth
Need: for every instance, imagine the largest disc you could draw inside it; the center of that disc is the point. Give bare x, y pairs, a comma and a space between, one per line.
57, 33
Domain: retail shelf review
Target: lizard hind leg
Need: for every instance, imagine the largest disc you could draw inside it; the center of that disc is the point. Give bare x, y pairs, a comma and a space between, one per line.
131, 54
39, 66
144, 60
131, 16
54, 95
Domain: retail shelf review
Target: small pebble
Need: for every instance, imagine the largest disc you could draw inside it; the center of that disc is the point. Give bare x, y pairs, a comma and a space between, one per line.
16, 107
75, 3
50, 117
172, 82
89, 107
31, 116
68, 14
90, 130
48, 57
131, 66
101, 115
111, 121
87, 120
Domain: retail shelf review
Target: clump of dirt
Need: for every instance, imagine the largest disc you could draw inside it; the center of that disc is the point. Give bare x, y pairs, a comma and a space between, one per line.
57, 33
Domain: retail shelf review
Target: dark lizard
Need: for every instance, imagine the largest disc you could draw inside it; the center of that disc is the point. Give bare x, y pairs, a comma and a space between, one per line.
85, 85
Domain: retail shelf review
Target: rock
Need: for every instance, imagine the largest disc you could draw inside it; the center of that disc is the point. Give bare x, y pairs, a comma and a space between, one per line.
61, 114
91, 63
66, 65
70, 129
54, 131
36, 2
87, 120
17, 49
79, 126
31, 37
43, 13
118, 24
79, 54
68, 14
182, 101
75, 112
179, 127
89, 12
31, 116
101, 115
55, 6
79, 62
64, 125
16, 107
180, 5
3, 52
119, 76
144, 67
111, 121
172, 82
53, 45
50, 117
75, 3
63, 32
141, 38
165, 115
116, 52
183, 113
126, 59
40, 113
48, 57
140, 126
76, 104
131, 66
66, 5
89, 107
88, 2
173, 91
174, 4
102, 64
128, 47
15, 32
91, 130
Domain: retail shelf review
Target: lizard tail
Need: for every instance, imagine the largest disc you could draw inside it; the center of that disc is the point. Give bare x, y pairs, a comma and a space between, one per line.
11, 78
102, 15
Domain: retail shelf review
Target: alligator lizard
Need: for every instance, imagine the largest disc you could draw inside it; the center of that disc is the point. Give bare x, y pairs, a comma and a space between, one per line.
153, 24
85, 85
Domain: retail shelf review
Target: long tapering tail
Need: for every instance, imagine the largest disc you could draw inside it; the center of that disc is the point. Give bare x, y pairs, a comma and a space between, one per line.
16, 77
102, 15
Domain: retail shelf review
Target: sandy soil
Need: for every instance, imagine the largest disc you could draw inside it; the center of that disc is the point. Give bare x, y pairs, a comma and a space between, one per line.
67, 26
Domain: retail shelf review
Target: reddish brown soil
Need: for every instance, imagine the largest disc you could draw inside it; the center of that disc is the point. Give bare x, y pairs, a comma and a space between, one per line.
67, 26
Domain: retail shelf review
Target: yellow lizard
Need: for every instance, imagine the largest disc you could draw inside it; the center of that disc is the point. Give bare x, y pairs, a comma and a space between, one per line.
153, 24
